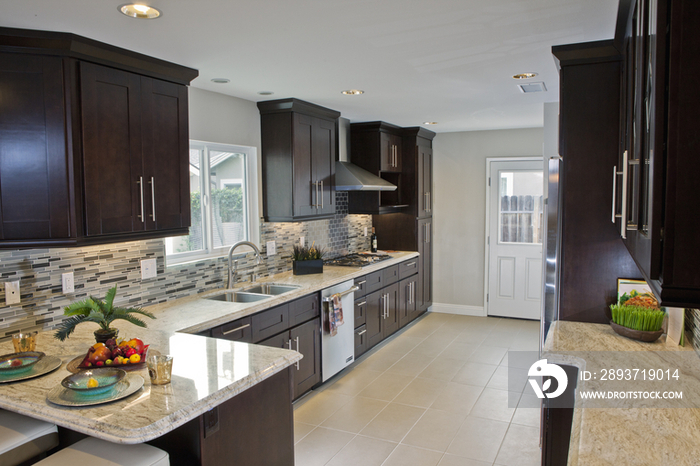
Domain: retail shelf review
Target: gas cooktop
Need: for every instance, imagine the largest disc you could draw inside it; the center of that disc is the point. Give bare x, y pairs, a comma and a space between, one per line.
358, 259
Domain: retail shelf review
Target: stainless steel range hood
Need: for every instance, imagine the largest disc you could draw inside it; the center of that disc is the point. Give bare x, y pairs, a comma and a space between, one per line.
349, 177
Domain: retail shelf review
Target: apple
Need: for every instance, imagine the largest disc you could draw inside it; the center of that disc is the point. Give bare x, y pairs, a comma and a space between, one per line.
101, 354
136, 344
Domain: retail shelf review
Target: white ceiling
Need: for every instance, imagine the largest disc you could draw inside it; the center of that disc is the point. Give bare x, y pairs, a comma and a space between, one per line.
449, 61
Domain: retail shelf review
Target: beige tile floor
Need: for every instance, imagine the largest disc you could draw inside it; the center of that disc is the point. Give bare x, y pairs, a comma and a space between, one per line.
435, 394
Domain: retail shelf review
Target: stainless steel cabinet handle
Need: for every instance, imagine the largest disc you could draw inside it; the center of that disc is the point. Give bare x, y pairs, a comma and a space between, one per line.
361, 304
297, 340
410, 264
289, 343
623, 223
361, 283
153, 198
236, 329
140, 182
322, 194
362, 332
430, 207
614, 198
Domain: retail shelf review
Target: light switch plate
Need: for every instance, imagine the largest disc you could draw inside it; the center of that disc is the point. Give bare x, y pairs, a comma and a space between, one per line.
301, 241
271, 248
12, 292
68, 282
148, 269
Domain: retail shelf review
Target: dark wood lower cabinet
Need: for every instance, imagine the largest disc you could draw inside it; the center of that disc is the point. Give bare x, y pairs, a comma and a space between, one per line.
306, 339
256, 427
382, 314
407, 300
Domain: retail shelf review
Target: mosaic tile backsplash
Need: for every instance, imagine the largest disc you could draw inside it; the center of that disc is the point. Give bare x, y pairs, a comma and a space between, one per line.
98, 268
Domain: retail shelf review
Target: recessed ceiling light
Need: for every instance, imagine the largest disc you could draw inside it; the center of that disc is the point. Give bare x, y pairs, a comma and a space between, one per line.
265, 93
524, 75
353, 92
135, 10
430, 122
221, 80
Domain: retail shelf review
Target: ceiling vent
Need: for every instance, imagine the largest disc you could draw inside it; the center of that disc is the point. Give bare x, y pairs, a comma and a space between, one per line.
532, 87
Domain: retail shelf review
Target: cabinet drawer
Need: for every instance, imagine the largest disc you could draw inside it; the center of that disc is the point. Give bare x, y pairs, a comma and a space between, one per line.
408, 268
360, 311
391, 275
360, 341
375, 281
238, 330
303, 309
270, 322
361, 283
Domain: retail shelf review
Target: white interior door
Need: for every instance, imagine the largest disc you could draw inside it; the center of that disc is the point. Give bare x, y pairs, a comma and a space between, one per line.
515, 239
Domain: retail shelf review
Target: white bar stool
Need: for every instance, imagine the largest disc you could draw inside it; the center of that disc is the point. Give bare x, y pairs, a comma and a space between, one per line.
22, 438
96, 452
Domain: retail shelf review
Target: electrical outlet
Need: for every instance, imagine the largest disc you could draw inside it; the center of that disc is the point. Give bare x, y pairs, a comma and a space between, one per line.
365, 231
12, 292
68, 282
148, 269
271, 248
301, 241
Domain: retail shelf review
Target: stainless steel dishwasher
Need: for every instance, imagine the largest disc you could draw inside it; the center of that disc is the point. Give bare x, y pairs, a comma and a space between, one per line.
338, 351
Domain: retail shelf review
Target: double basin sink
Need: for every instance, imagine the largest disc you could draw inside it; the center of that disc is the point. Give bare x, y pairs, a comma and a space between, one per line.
254, 293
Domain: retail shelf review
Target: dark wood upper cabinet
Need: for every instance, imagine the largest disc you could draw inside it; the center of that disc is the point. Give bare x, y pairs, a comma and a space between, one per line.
658, 161
34, 184
93, 142
299, 146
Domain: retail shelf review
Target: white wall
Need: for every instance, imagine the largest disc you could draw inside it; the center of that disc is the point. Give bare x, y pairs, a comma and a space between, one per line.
459, 186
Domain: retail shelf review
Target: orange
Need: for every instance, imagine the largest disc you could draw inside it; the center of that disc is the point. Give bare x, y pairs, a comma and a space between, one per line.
135, 358
98, 345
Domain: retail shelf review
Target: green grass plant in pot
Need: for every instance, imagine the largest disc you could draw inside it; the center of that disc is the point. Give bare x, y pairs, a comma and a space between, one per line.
306, 260
637, 322
100, 312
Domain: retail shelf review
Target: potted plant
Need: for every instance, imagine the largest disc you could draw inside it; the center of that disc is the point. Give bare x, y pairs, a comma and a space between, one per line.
102, 313
306, 260
637, 322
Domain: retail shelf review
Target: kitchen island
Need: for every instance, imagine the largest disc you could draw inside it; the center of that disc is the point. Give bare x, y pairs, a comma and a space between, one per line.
616, 433
230, 391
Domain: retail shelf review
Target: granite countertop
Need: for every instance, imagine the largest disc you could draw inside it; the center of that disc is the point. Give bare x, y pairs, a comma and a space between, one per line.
206, 371
630, 432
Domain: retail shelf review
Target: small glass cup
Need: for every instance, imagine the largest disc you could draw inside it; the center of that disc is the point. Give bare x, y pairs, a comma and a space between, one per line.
160, 368
24, 341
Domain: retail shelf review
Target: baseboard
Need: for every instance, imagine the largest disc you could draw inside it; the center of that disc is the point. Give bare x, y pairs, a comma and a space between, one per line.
459, 309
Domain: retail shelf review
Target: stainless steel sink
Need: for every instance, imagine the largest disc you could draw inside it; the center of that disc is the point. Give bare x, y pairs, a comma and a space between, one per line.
271, 288
240, 297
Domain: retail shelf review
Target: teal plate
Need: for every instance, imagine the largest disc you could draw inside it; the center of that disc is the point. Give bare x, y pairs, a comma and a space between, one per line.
106, 379
46, 365
16, 363
62, 396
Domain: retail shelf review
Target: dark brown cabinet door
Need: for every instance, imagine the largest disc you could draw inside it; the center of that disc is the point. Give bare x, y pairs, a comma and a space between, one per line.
375, 318
391, 321
34, 190
425, 181
425, 264
390, 152
360, 311
238, 330
165, 148
360, 341
323, 155
306, 339
407, 300
305, 187
115, 187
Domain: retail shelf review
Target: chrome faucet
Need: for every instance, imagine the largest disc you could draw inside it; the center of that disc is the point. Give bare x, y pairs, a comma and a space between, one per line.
233, 270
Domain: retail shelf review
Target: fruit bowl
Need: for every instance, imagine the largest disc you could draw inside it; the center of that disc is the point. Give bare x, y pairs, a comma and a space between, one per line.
110, 354
93, 382
16, 363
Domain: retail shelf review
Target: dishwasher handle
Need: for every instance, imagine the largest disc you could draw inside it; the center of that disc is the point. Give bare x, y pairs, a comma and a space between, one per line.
328, 299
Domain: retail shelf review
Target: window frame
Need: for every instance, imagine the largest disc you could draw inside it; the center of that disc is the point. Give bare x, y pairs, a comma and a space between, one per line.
251, 215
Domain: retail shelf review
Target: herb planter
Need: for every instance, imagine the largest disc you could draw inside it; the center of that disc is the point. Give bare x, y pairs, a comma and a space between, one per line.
639, 335
307, 267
